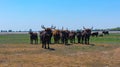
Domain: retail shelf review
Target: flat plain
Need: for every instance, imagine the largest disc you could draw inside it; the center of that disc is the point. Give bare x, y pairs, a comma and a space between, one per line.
15, 51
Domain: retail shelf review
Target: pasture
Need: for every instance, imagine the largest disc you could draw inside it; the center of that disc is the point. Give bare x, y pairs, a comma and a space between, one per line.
15, 51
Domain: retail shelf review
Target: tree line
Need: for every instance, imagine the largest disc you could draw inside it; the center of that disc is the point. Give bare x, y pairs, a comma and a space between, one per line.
110, 29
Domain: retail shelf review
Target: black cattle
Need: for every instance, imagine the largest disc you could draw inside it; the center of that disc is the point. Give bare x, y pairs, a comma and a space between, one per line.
105, 32
72, 36
86, 35
40, 32
79, 35
45, 36
64, 34
33, 37
94, 34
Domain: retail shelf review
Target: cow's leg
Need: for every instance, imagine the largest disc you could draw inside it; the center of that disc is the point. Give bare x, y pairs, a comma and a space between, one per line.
31, 41
50, 40
82, 39
88, 40
70, 40
78, 38
74, 39
85, 40
43, 44
36, 41
66, 41
48, 45
62, 40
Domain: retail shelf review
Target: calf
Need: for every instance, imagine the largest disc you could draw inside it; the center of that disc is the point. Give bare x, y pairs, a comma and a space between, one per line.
33, 37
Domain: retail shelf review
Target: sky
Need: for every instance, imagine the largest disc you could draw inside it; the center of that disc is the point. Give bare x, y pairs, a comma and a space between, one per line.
71, 14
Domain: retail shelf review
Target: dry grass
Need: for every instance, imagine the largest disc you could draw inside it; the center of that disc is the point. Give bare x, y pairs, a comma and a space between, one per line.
26, 55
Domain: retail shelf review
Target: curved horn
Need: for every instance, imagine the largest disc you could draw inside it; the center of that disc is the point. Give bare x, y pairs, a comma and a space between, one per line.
91, 28
53, 27
42, 26
84, 27
62, 28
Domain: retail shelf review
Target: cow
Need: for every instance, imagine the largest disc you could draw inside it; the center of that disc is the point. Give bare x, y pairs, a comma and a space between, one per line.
40, 32
45, 36
94, 34
105, 32
64, 34
56, 35
86, 35
79, 36
33, 37
72, 36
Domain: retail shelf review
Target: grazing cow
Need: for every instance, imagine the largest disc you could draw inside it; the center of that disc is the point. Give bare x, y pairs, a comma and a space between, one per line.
56, 36
45, 36
95, 34
86, 35
64, 34
33, 37
79, 35
105, 32
72, 36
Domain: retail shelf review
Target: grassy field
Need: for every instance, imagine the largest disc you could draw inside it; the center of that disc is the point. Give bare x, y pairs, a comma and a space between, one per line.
15, 51
24, 39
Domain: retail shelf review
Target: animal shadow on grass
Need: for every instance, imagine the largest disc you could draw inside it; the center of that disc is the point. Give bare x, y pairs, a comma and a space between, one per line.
68, 44
51, 49
92, 44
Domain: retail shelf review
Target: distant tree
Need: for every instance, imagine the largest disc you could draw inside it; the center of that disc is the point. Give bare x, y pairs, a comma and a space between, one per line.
9, 30
3, 30
19, 31
116, 29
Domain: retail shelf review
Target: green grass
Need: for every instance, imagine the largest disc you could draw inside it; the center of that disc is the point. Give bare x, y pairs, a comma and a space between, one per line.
24, 39
112, 41
14, 39
107, 39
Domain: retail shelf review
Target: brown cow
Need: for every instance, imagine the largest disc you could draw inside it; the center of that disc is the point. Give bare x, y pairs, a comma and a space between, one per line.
72, 36
56, 36
45, 36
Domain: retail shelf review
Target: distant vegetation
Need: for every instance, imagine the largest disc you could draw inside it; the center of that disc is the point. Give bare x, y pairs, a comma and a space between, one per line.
115, 29
110, 29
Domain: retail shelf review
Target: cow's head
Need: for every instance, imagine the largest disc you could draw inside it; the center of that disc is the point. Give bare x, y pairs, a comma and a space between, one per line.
49, 29
88, 30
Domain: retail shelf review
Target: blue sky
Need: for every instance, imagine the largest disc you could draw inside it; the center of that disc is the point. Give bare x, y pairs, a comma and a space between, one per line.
71, 14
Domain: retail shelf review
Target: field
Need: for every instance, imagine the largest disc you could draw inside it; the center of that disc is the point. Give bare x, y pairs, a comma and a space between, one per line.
15, 51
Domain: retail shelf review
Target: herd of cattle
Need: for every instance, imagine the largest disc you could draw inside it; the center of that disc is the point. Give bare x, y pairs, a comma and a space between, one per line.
63, 36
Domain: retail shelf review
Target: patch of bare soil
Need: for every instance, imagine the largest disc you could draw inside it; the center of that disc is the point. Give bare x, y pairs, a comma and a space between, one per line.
32, 56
